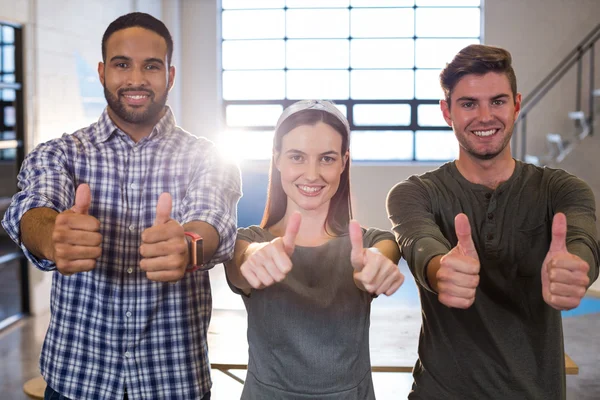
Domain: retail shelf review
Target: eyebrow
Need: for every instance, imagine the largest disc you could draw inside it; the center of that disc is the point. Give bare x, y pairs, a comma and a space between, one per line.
467, 98
147, 60
322, 154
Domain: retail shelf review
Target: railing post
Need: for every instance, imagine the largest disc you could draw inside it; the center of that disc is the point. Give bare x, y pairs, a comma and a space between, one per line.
591, 93
579, 84
523, 147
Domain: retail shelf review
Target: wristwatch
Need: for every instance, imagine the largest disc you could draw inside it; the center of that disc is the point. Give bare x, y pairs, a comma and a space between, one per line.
195, 250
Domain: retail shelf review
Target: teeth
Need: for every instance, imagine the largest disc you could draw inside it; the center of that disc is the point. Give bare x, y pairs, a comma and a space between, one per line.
485, 133
137, 97
309, 189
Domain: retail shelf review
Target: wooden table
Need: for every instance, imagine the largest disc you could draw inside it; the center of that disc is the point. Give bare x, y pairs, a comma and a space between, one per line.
394, 341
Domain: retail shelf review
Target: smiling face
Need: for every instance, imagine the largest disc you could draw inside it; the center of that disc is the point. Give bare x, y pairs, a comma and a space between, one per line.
482, 113
136, 76
310, 163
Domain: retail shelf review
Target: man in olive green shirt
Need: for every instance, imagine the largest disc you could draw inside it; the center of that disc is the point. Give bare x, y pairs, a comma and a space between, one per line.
498, 248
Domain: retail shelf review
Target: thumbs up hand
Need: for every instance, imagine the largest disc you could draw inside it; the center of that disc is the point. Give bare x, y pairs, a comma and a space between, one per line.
564, 275
373, 271
270, 262
164, 249
458, 275
76, 238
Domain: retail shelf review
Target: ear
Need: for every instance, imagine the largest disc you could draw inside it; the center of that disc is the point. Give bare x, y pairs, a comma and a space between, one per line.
171, 77
276, 155
445, 107
345, 160
517, 105
101, 72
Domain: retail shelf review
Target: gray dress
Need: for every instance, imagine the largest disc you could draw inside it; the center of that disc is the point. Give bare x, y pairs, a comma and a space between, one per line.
308, 335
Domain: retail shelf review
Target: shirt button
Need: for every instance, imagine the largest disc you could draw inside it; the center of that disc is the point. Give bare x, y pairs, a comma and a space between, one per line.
128, 314
127, 354
488, 196
129, 270
490, 236
131, 228
490, 216
133, 186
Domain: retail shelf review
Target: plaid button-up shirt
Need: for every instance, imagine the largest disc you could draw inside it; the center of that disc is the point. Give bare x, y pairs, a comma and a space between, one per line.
112, 328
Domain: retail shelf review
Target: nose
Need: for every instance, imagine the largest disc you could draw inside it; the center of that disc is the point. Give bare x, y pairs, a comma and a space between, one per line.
312, 171
485, 113
137, 77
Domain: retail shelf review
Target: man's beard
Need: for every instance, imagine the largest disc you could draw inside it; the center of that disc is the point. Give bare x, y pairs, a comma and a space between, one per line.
117, 105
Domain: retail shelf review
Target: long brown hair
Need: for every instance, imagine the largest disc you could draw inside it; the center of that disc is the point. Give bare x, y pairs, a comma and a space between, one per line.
340, 208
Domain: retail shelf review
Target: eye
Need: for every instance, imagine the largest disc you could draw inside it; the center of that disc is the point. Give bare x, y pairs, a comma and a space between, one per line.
121, 65
498, 102
468, 104
296, 158
151, 66
327, 159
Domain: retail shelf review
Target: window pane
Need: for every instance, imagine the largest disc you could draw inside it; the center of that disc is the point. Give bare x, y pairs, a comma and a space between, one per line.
265, 24
243, 145
9, 135
10, 116
318, 84
435, 53
442, 3
343, 109
330, 23
436, 145
381, 114
430, 115
382, 3
9, 78
8, 58
8, 34
253, 54
320, 54
316, 3
253, 85
382, 53
427, 83
381, 145
253, 115
252, 4
397, 22
9, 95
433, 22
382, 84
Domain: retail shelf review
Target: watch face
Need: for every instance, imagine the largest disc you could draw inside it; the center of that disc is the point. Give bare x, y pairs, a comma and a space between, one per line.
199, 252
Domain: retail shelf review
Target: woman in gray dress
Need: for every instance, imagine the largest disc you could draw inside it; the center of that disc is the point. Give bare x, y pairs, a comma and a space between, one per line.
308, 273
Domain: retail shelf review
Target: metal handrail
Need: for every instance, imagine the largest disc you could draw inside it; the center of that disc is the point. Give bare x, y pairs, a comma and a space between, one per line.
534, 97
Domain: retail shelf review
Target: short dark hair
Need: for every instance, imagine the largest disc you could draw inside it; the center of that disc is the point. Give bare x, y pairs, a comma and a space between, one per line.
477, 59
142, 20
340, 207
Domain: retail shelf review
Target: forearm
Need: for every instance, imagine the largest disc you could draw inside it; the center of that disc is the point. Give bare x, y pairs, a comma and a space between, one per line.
423, 259
37, 226
431, 272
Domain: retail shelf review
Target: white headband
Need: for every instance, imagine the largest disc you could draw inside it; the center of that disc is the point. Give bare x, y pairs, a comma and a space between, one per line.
322, 105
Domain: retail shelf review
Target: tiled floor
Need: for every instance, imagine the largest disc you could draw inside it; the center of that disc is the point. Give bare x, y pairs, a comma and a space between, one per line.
20, 346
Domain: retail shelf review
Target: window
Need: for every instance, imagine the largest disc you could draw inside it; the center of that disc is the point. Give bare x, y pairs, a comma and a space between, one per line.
14, 296
379, 60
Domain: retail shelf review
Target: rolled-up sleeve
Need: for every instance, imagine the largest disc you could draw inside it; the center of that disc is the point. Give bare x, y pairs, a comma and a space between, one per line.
212, 197
44, 181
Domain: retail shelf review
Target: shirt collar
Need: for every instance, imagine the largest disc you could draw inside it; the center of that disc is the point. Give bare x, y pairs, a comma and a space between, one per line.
105, 127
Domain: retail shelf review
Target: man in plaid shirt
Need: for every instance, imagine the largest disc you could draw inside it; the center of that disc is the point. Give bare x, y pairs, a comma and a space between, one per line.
108, 207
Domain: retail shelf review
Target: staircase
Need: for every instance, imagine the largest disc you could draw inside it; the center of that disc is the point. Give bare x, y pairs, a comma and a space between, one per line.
560, 145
